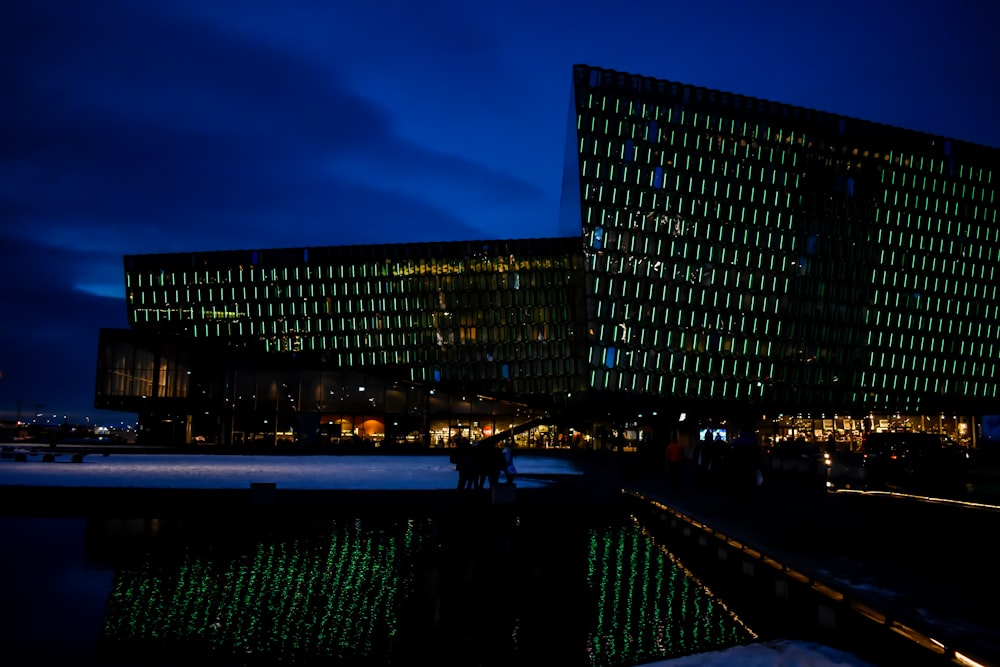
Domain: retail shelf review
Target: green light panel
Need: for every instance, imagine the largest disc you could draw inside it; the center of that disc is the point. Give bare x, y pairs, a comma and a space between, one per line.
462, 309
780, 235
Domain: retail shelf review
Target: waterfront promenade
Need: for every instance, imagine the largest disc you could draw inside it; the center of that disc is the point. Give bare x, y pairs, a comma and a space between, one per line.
926, 561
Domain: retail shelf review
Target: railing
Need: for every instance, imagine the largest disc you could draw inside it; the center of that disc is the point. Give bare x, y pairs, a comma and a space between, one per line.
798, 600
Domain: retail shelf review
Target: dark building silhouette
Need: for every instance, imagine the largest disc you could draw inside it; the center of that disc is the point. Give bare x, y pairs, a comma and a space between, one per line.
721, 255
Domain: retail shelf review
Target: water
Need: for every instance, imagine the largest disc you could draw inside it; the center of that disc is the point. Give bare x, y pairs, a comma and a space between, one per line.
483, 586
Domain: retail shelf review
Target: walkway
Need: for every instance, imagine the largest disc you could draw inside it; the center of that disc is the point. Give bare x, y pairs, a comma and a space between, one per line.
930, 563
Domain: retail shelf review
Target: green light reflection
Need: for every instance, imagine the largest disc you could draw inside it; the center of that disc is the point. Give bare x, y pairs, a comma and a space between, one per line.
679, 615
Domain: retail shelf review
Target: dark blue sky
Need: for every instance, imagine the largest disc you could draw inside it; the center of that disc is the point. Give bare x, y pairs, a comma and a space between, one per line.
147, 127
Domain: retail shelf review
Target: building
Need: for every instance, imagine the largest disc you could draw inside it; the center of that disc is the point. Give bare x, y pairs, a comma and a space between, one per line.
408, 342
722, 257
742, 251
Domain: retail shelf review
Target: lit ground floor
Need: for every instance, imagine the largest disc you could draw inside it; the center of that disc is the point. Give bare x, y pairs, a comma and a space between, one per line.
846, 432
482, 418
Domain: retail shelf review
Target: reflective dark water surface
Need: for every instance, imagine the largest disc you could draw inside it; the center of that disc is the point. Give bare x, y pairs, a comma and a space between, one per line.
474, 586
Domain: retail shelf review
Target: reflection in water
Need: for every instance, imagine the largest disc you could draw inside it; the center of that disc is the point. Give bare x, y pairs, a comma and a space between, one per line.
459, 588
330, 594
52, 597
650, 607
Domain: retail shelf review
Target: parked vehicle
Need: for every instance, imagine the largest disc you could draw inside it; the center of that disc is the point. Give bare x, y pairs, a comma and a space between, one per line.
845, 470
795, 457
913, 461
796, 463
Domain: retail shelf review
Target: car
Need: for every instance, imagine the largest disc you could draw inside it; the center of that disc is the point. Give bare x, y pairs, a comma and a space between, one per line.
913, 461
795, 457
845, 470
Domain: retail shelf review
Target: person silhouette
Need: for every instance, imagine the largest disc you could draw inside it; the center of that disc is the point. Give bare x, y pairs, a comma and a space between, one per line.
508, 468
675, 463
464, 464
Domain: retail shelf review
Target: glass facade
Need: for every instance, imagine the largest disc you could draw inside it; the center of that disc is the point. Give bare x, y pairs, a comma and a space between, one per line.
721, 254
500, 316
350, 346
754, 252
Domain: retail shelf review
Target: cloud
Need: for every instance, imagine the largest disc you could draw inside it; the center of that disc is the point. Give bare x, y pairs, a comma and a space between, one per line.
151, 132
48, 344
